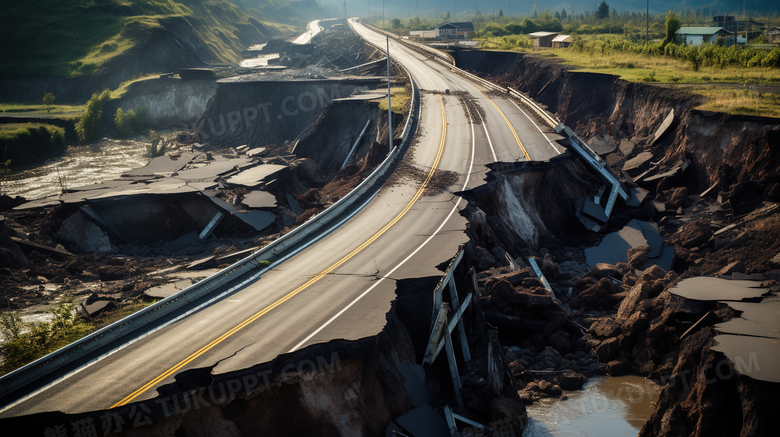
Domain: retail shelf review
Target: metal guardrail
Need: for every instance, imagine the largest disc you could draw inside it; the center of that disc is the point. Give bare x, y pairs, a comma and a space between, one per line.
56, 360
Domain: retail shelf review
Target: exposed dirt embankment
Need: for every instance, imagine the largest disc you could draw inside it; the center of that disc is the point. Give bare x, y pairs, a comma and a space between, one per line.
172, 103
262, 113
701, 173
601, 106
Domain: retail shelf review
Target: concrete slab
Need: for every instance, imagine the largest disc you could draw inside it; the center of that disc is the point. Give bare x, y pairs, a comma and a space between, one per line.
102, 185
757, 319
213, 169
414, 383
603, 145
187, 240
294, 207
665, 125
664, 260
162, 165
637, 161
202, 263
257, 219
96, 308
654, 239
762, 353
424, 422
259, 199
40, 203
638, 195
707, 288
595, 211
614, 246
221, 204
361, 98
255, 152
627, 147
254, 176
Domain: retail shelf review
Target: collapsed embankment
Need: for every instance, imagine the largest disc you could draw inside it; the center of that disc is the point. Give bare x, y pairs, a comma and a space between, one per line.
701, 172
342, 388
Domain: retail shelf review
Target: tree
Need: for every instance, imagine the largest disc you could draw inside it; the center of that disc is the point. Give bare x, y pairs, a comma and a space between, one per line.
395, 23
563, 14
603, 11
88, 126
557, 15
672, 26
500, 12
48, 101
614, 13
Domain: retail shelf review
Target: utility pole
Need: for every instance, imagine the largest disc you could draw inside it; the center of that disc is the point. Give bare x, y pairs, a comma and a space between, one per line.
389, 102
383, 13
345, 18
647, 23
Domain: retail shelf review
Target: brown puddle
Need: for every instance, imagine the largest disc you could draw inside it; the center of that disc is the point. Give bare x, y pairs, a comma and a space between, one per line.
606, 407
81, 165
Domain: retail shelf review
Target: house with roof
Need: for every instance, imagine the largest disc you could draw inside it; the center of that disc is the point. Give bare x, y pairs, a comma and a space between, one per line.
773, 34
697, 35
561, 41
542, 39
454, 30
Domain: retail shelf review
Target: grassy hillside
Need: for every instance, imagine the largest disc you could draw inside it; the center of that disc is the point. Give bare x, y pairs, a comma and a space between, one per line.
77, 37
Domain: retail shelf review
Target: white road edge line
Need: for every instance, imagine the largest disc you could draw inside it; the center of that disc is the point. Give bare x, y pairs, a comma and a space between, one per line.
537, 126
454, 208
484, 126
188, 313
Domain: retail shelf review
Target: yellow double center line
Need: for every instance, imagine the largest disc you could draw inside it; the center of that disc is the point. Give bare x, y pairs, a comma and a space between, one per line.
517, 138
308, 283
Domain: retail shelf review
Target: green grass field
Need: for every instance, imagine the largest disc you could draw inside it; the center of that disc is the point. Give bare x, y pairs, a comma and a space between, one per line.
77, 37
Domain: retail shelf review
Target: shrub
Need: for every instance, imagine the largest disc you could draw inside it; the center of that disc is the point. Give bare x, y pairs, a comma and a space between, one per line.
31, 142
130, 122
154, 149
26, 342
88, 127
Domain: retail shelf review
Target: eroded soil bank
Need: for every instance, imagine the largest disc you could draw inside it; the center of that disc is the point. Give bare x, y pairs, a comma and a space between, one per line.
711, 186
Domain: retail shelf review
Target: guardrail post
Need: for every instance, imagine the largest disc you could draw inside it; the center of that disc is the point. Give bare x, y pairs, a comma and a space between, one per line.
453, 367
464, 344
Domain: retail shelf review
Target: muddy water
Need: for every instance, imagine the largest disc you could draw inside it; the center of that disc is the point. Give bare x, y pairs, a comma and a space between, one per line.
606, 407
80, 165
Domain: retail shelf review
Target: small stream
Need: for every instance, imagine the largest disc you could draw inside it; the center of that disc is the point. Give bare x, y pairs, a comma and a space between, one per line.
606, 406
81, 165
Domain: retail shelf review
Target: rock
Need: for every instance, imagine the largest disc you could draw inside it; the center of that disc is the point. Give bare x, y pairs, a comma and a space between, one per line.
528, 397
618, 368
637, 256
483, 259
604, 327
636, 295
592, 297
550, 268
652, 274
100, 306
607, 350
571, 380
677, 197
112, 273
559, 342
695, 234
635, 324
531, 283
745, 197
606, 285
515, 278
553, 390
735, 267
601, 270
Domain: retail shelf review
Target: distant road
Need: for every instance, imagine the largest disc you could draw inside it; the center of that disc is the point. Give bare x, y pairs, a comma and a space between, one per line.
313, 29
340, 287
